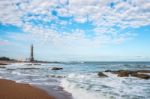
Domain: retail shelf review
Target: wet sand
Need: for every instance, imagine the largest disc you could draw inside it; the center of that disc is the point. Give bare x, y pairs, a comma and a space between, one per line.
11, 90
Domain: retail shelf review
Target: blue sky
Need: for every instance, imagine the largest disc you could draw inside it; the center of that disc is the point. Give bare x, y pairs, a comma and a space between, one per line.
76, 30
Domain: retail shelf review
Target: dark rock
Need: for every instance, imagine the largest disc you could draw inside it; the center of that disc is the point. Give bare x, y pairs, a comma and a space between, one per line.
120, 71
37, 64
108, 71
57, 68
143, 71
100, 74
123, 74
143, 76
127, 73
117, 72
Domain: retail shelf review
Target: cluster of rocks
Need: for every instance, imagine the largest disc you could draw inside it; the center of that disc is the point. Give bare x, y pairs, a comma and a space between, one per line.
56, 68
143, 74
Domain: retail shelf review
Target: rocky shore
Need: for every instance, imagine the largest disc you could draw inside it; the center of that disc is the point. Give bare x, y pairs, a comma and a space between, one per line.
143, 74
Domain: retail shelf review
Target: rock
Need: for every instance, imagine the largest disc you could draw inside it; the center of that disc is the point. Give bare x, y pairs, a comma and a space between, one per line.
127, 73
37, 64
122, 71
117, 72
100, 74
123, 74
143, 76
108, 71
143, 71
56, 68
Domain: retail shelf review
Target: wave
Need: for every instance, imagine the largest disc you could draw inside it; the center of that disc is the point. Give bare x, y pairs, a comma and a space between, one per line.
90, 86
79, 93
79, 89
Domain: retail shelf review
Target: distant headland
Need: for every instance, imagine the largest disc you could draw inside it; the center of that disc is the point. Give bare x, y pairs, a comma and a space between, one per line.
6, 60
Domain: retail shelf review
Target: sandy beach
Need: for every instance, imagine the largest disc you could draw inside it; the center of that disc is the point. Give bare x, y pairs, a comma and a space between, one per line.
11, 90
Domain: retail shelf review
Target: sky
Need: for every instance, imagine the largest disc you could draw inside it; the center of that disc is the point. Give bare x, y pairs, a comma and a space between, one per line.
76, 30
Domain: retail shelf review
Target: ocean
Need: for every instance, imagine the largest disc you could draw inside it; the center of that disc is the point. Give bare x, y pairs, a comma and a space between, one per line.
80, 79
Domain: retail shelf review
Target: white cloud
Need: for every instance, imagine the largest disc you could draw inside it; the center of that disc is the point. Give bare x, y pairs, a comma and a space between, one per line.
98, 11
9, 13
103, 17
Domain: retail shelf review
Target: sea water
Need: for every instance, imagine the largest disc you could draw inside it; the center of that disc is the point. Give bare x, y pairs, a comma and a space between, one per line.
81, 79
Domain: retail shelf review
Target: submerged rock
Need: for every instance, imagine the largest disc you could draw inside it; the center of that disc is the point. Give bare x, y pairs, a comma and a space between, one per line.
56, 68
143, 76
100, 74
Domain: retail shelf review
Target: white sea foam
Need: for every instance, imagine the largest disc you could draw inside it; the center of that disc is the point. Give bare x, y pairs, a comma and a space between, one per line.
24, 66
80, 89
79, 93
91, 87
16, 73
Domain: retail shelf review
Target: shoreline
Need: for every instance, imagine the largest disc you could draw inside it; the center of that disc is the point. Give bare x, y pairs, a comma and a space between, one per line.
56, 91
73, 86
11, 90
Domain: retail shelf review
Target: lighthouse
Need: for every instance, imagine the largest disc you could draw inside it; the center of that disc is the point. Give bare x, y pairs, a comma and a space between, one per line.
32, 54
